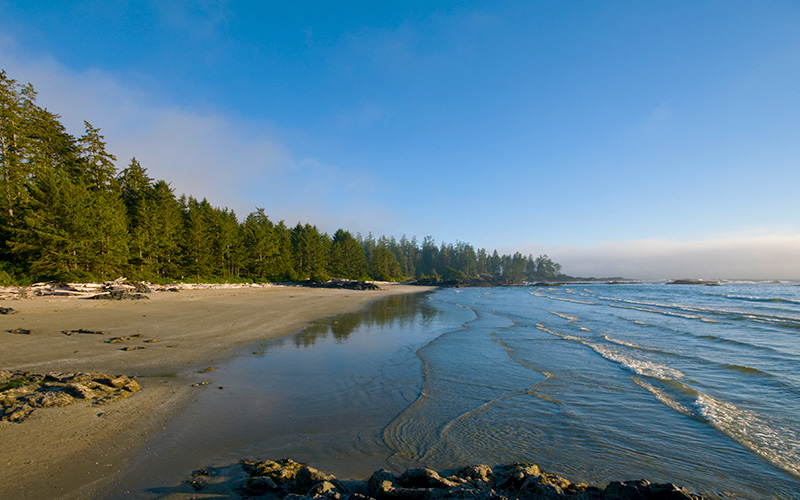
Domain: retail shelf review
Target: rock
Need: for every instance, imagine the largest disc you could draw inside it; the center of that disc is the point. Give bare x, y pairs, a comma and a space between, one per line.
290, 480
308, 477
324, 489
342, 284
21, 331
116, 340
644, 490
479, 476
512, 477
422, 477
23, 392
381, 482
693, 282
84, 331
7, 310
258, 485
119, 295
79, 391
141, 287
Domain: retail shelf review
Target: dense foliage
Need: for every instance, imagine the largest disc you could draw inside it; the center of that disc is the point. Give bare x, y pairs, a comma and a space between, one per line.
68, 214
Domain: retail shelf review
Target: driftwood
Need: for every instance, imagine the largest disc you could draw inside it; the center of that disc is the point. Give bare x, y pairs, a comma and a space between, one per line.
118, 288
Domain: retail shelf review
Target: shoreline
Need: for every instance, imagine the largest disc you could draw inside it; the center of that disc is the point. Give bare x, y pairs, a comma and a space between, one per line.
75, 451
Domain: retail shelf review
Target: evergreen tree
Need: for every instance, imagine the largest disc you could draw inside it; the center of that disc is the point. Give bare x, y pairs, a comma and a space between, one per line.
198, 237
384, 265
96, 164
311, 251
347, 259
168, 220
16, 105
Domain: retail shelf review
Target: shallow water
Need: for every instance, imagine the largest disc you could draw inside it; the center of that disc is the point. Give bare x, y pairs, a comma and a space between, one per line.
694, 385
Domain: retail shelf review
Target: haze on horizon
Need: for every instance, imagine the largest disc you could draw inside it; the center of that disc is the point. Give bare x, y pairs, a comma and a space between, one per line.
622, 138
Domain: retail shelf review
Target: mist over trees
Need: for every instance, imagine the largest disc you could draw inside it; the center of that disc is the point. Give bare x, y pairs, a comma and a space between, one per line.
68, 214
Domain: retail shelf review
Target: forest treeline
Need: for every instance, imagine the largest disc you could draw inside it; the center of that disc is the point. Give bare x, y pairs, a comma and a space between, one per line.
68, 214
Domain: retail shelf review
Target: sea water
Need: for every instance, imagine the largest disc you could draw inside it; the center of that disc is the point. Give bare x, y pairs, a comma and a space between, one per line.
695, 385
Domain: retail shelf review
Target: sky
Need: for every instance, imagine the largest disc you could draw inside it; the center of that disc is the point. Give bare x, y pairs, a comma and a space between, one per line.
622, 138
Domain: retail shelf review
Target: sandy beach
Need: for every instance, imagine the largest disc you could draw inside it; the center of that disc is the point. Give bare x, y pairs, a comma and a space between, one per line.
73, 451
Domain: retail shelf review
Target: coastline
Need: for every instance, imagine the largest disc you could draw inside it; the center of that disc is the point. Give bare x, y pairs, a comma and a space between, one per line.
74, 451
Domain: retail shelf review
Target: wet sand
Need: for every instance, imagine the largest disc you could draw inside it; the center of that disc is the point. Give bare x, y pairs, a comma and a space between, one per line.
74, 451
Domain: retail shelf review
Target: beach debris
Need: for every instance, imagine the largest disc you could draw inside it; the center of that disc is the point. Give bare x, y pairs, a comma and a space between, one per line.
82, 330
21, 393
133, 348
205, 382
286, 478
8, 310
206, 370
21, 331
108, 290
152, 341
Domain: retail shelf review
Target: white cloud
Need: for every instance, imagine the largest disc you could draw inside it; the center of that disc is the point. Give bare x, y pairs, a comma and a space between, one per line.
726, 257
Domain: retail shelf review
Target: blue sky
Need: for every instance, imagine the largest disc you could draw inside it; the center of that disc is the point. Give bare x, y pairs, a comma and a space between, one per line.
646, 139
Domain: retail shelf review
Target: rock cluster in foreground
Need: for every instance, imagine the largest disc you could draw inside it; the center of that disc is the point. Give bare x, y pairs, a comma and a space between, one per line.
21, 393
290, 480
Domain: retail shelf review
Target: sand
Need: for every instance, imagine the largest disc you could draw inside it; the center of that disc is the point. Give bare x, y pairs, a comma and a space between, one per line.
74, 451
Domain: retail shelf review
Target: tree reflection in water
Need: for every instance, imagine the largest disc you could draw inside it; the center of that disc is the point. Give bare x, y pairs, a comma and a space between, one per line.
394, 310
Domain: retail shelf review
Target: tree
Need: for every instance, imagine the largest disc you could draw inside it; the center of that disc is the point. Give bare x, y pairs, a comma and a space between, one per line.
16, 104
347, 258
96, 164
198, 236
384, 265
311, 252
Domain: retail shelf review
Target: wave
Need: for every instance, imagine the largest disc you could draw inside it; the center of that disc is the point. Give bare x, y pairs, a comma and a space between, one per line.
563, 316
621, 342
747, 370
563, 299
775, 442
665, 398
752, 298
639, 366
644, 367
696, 313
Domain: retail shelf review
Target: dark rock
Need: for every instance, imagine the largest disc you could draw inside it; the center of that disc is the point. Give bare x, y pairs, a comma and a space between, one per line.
343, 284
693, 282
258, 485
521, 481
422, 477
84, 331
8, 310
140, 287
381, 483
119, 295
308, 477
21, 331
324, 489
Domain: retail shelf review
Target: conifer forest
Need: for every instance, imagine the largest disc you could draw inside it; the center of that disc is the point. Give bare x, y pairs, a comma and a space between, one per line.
68, 213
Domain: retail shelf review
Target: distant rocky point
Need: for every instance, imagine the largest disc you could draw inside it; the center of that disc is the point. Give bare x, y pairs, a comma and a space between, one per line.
693, 282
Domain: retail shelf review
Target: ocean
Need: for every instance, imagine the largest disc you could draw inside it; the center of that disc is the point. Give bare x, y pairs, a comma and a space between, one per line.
694, 385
